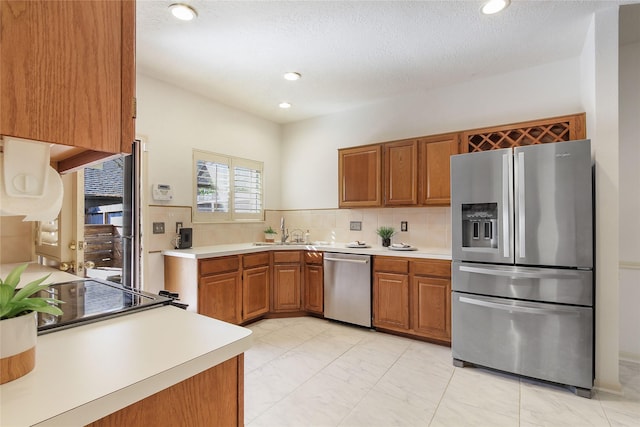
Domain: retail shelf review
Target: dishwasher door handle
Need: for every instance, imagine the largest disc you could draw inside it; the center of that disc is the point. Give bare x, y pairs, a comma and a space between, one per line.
354, 261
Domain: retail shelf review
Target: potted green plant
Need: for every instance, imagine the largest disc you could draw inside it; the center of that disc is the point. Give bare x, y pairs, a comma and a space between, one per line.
270, 234
385, 233
18, 323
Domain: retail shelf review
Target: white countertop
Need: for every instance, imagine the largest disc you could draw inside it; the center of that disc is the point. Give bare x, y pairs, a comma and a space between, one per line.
243, 248
87, 372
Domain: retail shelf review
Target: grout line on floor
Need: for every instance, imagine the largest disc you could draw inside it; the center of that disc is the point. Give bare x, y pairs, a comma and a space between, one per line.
435, 411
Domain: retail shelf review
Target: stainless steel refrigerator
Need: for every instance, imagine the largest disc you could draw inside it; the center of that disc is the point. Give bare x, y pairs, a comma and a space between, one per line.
522, 271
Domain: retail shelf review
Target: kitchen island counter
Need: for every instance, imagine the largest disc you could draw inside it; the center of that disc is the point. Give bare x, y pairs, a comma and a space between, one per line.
243, 248
85, 373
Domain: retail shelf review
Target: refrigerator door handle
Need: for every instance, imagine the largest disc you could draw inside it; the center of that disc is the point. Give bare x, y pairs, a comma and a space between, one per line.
519, 308
515, 274
521, 207
506, 190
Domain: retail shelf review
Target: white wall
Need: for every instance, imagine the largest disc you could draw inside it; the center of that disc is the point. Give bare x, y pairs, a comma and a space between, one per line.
630, 152
310, 179
175, 121
629, 201
600, 96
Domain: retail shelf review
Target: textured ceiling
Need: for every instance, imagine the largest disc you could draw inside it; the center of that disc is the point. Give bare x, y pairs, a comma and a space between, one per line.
349, 52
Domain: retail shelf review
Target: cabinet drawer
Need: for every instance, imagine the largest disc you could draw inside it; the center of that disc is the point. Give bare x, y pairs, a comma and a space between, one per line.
219, 265
254, 260
280, 257
431, 267
313, 257
390, 264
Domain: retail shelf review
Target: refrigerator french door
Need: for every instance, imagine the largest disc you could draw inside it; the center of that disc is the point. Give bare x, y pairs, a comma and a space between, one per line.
522, 244
529, 205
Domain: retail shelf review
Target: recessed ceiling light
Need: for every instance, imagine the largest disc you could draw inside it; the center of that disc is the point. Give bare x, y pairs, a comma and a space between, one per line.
494, 6
292, 75
183, 12
284, 105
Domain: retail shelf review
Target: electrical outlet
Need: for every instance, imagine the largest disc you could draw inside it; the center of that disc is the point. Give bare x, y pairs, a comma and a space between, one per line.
178, 226
158, 228
355, 225
404, 226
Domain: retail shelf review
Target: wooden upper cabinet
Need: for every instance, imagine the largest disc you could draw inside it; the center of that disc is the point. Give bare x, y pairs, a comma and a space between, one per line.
67, 73
359, 176
435, 178
401, 173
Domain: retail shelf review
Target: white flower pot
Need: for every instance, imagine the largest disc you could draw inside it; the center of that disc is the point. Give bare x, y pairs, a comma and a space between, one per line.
268, 237
18, 337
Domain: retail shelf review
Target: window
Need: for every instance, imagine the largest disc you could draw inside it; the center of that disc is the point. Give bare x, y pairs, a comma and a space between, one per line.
226, 188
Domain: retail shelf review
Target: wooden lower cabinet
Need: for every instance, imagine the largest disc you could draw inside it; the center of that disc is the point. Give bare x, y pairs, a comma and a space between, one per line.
391, 301
287, 284
431, 307
219, 296
255, 285
212, 398
255, 292
413, 296
286, 287
314, 289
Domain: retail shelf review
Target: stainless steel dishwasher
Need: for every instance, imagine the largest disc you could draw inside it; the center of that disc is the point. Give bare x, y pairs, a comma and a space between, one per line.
347, 288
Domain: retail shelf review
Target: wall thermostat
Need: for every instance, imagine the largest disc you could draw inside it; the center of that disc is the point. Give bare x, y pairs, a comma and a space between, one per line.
162, 192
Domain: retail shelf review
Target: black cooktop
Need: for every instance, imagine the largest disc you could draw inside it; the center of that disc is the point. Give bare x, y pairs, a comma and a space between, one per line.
90, 300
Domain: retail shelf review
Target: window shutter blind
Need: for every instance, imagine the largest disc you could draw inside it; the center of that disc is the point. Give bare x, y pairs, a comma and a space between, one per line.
227, 188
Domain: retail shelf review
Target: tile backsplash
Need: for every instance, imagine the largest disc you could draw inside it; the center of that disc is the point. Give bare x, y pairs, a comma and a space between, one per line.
429, 228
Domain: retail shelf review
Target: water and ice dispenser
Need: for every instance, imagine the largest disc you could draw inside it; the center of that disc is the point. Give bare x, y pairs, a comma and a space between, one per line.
480, 225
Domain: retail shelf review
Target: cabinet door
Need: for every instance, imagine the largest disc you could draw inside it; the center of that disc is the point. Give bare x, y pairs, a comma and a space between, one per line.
435, 180
391, 301
69, 67
431, 306
359, 180
286, 287
401, 173
313, 289
219, 296
255, 292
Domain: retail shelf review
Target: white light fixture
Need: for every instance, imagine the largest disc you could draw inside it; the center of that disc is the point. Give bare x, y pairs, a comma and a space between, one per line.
284, 105
292, 76
183, 11
494, 6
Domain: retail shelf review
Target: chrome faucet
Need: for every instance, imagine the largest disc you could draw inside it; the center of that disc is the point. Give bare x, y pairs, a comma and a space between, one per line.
283, 232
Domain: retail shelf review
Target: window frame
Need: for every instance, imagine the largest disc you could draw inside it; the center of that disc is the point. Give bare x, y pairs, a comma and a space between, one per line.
231, 162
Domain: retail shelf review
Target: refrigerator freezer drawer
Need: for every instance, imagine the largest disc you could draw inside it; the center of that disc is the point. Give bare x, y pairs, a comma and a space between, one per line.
545, 341
552, 285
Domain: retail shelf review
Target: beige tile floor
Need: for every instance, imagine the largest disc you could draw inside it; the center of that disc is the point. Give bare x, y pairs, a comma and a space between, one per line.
311, 372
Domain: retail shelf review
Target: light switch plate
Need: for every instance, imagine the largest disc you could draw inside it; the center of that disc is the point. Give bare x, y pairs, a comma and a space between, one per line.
355, 225
404, 226
158, 228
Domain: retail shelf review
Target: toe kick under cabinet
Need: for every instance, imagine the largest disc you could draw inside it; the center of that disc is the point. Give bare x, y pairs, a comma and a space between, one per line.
413, 296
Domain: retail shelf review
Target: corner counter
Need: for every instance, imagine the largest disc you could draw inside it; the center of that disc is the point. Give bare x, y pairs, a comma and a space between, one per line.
85, 373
